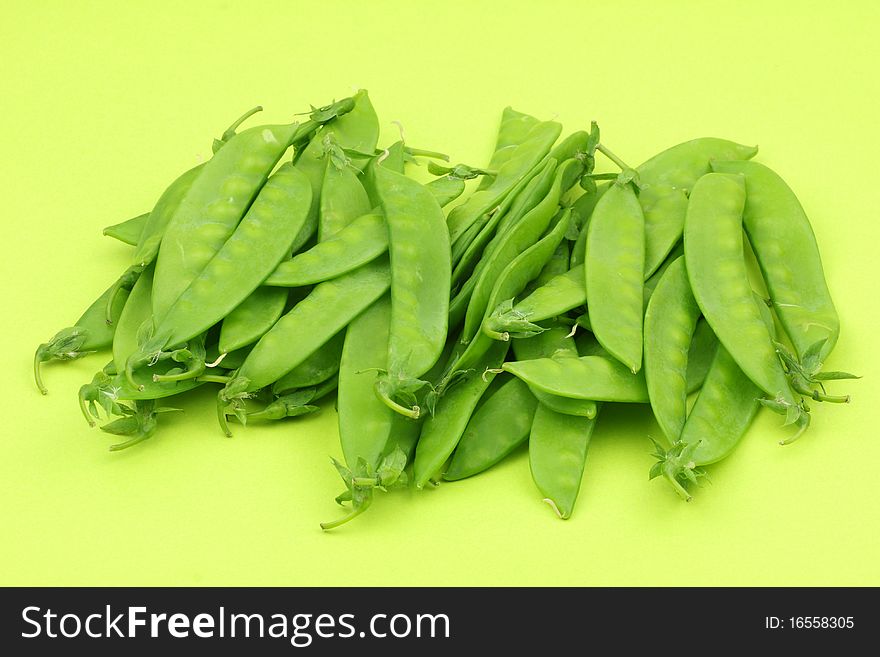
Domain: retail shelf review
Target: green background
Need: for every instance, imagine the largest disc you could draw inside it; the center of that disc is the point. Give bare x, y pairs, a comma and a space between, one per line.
104, 105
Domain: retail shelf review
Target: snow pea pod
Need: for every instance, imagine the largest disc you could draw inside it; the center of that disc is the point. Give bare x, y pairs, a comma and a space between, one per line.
557, 454
250, 319
256, 247
90, 333
317, 368
362, 241
670, 321
446, 189
128, 232
366, 425
785, 246
327, 309
418, 245
614, 275
716, 268
512, 243
584, 208
497, 427
442, 431
524, 158
664, 209
218, 199
134, 323
514, 129
556, 297
589, 377
343, 198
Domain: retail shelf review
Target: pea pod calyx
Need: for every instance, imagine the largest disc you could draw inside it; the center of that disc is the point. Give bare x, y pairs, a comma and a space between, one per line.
677, 466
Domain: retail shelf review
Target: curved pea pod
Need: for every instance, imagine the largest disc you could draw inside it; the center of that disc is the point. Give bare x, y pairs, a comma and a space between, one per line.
218, 199
713, 247
362, 241
725, 407
134, 323
664, 209
470, 250
560, 294
614, 274
514, 129
446, 189
682, 165
322, 364
499, 426
785, 246
584, 207
343, 199
700, 355
367, 427
511, 244
595, 378
392, 158
524, 158
128, 232
256, 247
670, 321
312, 322
358, 130
418, 246
442, 431
90, 333
557, 454
250, 319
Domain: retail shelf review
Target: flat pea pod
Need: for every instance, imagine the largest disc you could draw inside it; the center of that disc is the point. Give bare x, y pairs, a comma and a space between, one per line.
128, 232
584, 207
313, 321
392, 158
713, 249
366, 425
514, 129
314, 370
725, 407
588, 377
358, 130
213, 207
512, 243
555, 342
130, 326
244, 261
343, 199
442, 431
524, 158
250, 319
654, 279
497, 427
556, 297
700, 354
91, 332
664, 209
446, 189
785, 246
614, 274
682, 165
362, 241
670, 321
418, 246
557, 454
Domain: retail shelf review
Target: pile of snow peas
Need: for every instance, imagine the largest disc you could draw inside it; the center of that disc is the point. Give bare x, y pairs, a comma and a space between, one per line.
454, 322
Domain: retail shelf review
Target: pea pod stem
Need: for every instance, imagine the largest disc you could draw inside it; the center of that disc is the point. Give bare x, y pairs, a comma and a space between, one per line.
214, 378
611, 156
38, 378
413, 412
351, 516
230, 131
85, 410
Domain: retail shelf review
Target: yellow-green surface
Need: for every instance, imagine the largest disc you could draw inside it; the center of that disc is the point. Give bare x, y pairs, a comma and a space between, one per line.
102, 106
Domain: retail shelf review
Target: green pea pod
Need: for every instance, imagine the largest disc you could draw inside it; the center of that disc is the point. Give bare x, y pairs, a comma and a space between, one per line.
511, 244
524, 158
90, 333
584, 207
366, 425
514, 130
670, 321
477, 242
442, 431
322, 364
256, 247
128, 232
557, 454
664, 210
589, 377
218, 199
700, 355
134, 323
362, 241
498, 427
726, 406
785, 246
343, 199
392, 159
556, 297
614, 274
250, 319
716, 268
446, 189
418, 246
312, 322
